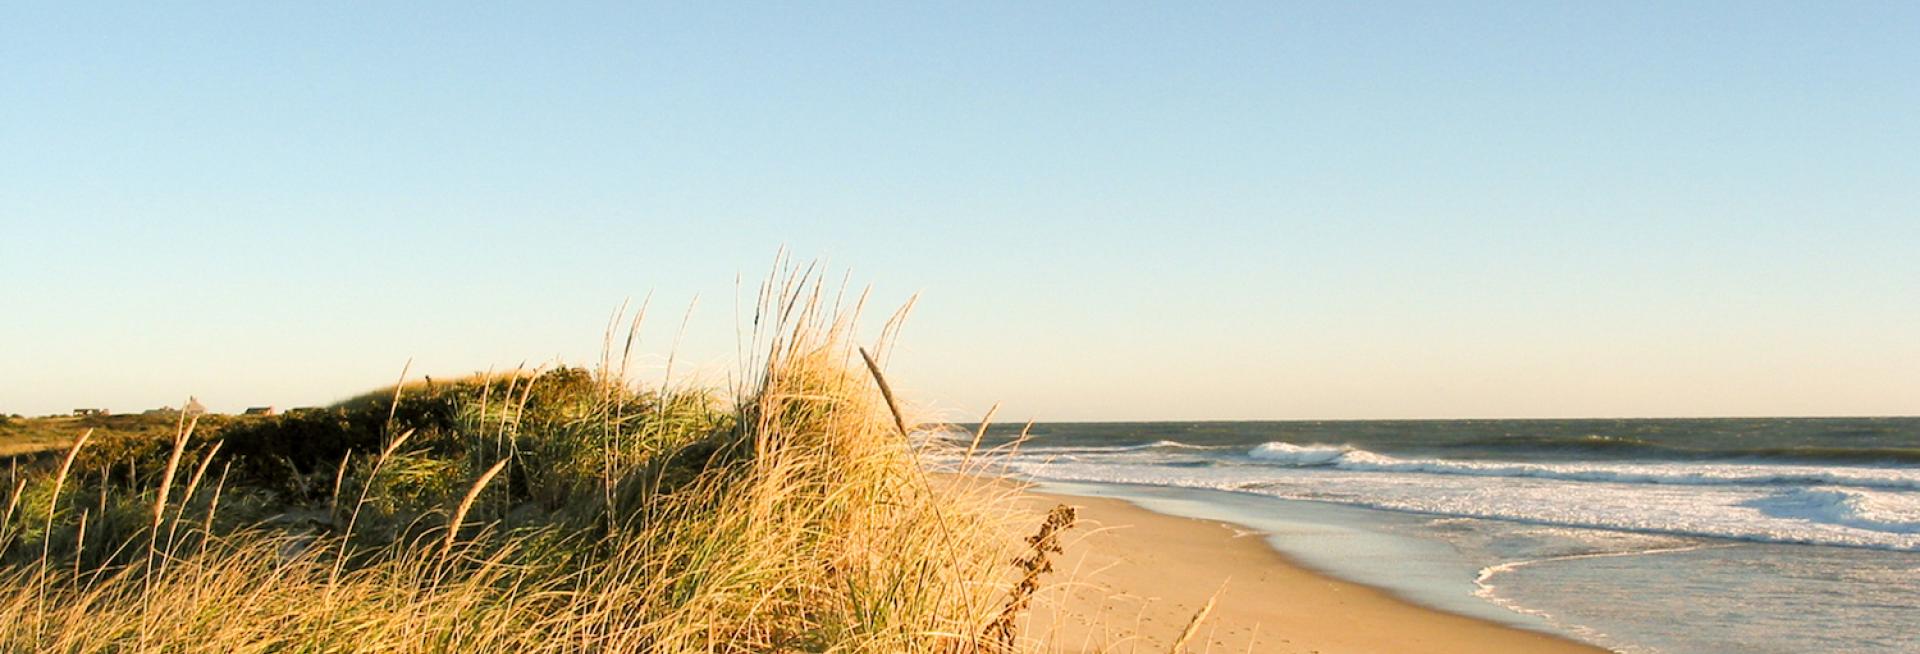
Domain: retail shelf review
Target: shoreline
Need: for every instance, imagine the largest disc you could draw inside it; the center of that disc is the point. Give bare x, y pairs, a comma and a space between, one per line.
1132, 579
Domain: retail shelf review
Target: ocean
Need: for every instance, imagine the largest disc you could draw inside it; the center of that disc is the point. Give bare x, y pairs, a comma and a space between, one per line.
1677, 536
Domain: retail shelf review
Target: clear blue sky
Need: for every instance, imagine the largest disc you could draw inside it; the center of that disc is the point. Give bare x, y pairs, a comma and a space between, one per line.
1112, 210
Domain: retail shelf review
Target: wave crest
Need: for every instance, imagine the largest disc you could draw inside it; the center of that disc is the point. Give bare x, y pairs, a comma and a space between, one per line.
1301, 455
1851, 508
1103, 449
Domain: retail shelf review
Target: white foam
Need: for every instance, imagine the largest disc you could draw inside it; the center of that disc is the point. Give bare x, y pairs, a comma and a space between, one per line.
1861, 518
1690, 474
1887, 512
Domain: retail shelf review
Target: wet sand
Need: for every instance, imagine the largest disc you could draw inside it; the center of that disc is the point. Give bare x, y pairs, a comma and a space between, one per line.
1131, 580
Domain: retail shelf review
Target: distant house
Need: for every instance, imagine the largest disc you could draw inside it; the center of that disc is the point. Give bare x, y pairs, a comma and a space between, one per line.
258, 411
193, 408
91, 412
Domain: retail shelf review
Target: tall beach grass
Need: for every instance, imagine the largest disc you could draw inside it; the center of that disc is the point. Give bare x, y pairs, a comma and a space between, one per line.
563, 510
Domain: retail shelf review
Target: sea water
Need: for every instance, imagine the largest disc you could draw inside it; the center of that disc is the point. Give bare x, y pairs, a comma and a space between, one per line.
1675, 536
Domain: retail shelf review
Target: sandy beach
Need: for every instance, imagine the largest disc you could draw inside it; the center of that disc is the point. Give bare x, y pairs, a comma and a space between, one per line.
1131, 580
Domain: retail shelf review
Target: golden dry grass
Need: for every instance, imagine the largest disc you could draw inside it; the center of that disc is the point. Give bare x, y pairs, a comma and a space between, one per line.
803, 523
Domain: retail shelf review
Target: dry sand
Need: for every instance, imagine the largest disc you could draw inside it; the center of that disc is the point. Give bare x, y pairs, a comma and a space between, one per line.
1131, 580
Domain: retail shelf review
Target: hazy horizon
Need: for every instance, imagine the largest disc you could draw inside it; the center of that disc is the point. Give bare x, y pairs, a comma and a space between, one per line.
1232, 211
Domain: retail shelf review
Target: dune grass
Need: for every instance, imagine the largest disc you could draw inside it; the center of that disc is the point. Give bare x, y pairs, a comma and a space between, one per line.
564, 511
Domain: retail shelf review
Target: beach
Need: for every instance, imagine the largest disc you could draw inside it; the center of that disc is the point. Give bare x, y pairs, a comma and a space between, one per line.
1131, 580
1694, 536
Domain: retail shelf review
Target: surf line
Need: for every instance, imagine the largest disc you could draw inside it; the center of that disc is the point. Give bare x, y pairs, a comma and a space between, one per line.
1483, 586
1487, 573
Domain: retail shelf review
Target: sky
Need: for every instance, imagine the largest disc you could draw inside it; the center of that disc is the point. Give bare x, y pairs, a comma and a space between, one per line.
1107, 210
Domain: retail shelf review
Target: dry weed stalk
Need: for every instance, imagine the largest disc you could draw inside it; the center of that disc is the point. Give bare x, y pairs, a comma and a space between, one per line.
1193, 626
1000, 634
919, 470
466, 504
59, 482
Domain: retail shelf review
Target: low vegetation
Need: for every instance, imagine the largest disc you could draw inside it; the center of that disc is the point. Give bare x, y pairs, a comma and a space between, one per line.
26, 438
563, 511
